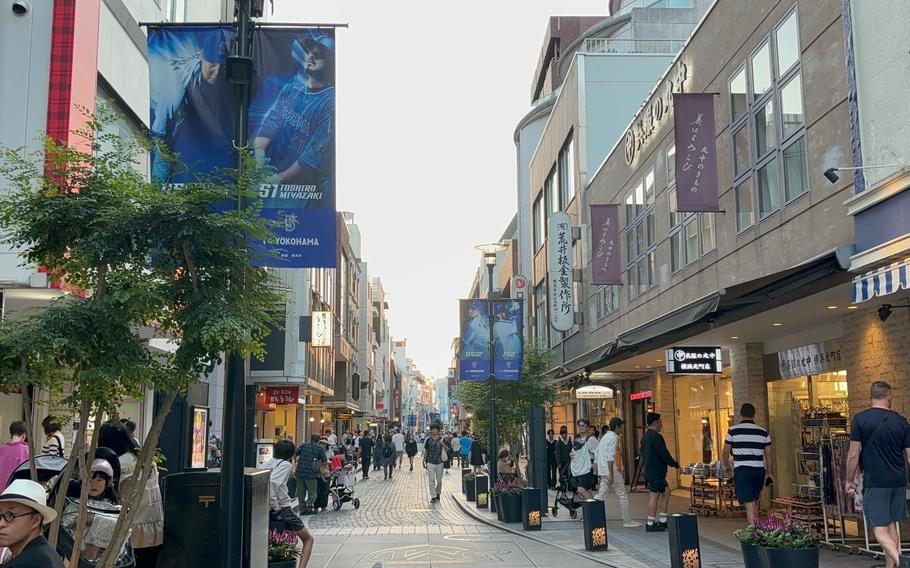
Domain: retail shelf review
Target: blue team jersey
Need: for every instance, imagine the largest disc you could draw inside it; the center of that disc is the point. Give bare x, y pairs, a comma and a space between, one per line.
301, 126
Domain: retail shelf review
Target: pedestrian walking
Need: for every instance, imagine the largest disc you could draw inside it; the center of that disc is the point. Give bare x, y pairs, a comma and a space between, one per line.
477, 454
880, 442
582, 455
551, 459
24, 512
388, 456
410, 448
447, 455
750, 446
398, 441
465, 448
656, 459
366, 445
54, 442
456, 448
14, 452
323, 469
280, 502
309, 458
610, 471
563, 451
377, 455
432, 460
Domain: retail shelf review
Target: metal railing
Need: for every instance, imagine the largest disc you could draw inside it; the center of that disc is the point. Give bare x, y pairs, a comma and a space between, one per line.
655, 4
624, 46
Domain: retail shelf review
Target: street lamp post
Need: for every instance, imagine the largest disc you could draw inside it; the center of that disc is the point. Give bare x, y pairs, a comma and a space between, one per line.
489, 257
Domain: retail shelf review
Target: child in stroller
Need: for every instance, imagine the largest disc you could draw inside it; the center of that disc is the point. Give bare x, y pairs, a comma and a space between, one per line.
567, 493
342, 481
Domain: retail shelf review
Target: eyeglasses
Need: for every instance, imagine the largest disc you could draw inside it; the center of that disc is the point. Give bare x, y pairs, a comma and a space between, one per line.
10, 516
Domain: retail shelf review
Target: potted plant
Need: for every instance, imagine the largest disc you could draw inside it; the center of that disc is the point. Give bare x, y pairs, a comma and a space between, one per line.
469, 487
510, 501
282, 549
495, 497
749, 541
786, 542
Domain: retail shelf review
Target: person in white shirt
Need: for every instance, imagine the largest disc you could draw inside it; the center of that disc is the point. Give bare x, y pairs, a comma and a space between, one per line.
333, 440
610, 472
456, 448
398, 441
280, 502
582, 456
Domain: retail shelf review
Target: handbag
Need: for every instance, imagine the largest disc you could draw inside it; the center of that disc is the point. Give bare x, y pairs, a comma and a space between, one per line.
444, 456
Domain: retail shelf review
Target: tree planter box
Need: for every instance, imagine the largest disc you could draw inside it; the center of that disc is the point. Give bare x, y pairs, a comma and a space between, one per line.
804, 557
284, 564
496, 500
751, 556
511, 507
470, 494
530, 509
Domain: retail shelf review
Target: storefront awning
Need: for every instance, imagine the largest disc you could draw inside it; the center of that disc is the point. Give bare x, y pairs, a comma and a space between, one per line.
580, 363
678, 318
882, 281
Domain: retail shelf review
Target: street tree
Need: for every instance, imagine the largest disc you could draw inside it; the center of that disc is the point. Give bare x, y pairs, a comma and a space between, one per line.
141, 258
513, 398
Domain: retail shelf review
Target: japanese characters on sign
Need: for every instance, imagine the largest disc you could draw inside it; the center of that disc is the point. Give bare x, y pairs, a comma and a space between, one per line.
322, 329
282, 395
651, 115
694, 360
606, 264
559, 256
811, 359
696, 152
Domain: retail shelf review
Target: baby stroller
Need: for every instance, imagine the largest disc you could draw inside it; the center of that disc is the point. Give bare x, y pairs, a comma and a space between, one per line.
567, 493
100, 517
341, 487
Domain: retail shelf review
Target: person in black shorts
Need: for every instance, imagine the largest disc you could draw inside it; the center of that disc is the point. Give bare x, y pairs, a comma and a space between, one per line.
656, 459
749, 444
880, 438
281, 515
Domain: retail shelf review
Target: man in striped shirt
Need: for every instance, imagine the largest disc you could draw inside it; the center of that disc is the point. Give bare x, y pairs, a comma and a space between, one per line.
750, 446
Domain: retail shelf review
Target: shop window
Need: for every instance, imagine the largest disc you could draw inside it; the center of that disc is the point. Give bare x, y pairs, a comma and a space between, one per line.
787, 36
739, 101
676, 251
566, 173
632, 282
761, 71
640, 234
650, 235
675, 218
791, 107
768, 189
541, 324
742, 160
705, 412
796, 176
765, 140
671, 165
745, 210
607, 301
649, 187
644, 281
551, 191
691, 234
540, 224
708, 238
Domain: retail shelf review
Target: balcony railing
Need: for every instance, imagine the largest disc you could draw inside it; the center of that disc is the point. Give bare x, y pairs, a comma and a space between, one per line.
625, 46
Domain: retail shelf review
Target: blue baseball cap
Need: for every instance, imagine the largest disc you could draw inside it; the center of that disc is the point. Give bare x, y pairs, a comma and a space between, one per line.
217, 47
314, 37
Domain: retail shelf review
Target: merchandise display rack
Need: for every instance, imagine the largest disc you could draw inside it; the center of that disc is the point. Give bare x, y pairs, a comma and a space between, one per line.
712, 495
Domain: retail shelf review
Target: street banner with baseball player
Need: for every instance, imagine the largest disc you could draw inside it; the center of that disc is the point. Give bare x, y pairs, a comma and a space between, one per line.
291, 124
474, 352
508, 346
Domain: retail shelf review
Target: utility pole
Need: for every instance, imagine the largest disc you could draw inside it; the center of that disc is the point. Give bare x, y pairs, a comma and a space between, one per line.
232, 482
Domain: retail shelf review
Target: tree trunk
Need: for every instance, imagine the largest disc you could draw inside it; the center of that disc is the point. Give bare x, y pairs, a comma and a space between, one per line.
85, 462
28, 413
63, 481
145, 466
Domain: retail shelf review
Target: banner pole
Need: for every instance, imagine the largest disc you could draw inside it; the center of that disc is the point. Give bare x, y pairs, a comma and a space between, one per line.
232, 481
493, 450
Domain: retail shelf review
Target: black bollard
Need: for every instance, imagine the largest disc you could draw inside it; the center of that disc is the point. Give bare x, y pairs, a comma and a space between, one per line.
685, 551
530, 508
482, 491
595, 524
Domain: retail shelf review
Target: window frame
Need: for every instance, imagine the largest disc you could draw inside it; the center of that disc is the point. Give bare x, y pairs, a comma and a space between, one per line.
540, 229
641, 208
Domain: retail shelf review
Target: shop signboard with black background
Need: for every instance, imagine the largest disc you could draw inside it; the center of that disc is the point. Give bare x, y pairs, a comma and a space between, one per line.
694, 360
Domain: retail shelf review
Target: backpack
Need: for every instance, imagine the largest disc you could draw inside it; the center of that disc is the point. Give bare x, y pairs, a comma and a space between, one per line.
387, 451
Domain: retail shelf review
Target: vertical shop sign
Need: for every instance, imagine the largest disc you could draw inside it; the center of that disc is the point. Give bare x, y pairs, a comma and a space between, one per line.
322, 329
696, 152
474, 354
508, 346
559, 250
606, 264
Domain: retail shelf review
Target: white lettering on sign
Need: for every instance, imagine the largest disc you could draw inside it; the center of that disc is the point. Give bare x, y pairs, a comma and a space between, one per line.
651, 115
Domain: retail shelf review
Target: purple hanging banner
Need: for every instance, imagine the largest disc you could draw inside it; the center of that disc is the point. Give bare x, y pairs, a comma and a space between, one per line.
696, 152
606, 264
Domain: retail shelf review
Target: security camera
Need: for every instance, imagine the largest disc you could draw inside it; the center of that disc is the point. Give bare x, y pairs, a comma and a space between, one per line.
21, 7
831, 175
884, 312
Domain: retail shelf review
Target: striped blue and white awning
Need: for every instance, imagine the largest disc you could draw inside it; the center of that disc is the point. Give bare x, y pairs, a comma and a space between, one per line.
882, 281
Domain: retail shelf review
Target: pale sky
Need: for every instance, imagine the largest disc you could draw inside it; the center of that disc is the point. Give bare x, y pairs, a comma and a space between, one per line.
429, 94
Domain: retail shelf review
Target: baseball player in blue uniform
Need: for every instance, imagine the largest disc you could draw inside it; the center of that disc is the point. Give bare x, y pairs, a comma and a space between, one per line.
298, 130
476, 340
194, 116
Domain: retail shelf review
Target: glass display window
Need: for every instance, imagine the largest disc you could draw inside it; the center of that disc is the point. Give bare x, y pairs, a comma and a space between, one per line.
705, 411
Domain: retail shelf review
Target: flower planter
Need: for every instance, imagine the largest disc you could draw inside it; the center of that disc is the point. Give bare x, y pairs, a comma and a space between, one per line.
497, 499
470, 494
510, 504
751, 556
802, 557
284, 564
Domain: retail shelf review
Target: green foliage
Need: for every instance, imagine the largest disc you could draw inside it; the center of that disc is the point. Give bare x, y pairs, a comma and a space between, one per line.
513, 398
282, 552
785, 533
144, 259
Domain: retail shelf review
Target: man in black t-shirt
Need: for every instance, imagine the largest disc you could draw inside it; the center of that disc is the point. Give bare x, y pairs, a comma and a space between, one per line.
656, 459
880, 438
366, 453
